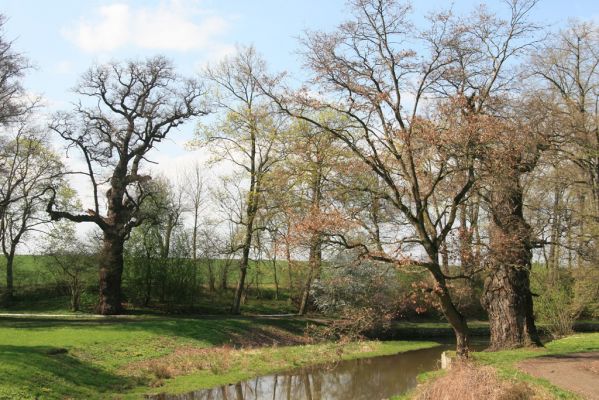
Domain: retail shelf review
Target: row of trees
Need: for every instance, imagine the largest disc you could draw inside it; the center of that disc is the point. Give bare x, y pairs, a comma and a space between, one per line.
464, 148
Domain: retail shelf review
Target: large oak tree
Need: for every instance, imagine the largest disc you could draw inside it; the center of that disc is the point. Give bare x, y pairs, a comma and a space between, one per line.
126, 109
418, 106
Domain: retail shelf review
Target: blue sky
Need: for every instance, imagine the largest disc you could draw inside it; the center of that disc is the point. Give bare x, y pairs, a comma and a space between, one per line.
64, 37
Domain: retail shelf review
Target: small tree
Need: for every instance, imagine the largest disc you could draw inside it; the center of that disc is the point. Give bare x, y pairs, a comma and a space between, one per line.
245, 136
133, 107
72, 260
29, 168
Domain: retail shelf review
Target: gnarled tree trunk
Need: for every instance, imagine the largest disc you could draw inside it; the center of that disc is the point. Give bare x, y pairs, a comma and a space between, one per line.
111, 270
507, 296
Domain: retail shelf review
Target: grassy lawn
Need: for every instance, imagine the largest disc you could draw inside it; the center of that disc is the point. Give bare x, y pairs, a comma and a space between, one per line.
418, 329
65, 358
506, 363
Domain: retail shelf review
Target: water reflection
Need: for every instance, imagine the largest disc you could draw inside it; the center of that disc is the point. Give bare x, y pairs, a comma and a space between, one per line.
367, 379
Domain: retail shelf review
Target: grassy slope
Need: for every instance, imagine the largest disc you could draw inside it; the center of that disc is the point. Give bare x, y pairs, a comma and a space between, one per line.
102, 356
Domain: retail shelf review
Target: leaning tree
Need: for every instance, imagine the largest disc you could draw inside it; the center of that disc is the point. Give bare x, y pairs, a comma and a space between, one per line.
126, 109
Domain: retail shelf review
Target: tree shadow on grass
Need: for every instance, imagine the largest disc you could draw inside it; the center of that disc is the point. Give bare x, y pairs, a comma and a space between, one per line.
50, 373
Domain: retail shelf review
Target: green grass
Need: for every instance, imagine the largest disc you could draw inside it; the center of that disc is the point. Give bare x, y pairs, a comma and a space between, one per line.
424, 328
59, 358
37, 290
506, 363
32, 270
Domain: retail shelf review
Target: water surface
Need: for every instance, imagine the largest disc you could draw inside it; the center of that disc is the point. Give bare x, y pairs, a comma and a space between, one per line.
365, 379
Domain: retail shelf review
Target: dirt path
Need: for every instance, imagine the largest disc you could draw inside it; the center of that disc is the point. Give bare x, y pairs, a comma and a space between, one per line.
576, 372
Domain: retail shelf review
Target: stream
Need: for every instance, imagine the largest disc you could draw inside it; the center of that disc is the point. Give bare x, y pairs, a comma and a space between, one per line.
364, 379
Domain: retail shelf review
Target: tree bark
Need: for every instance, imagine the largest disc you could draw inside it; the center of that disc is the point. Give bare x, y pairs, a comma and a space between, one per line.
451, 313
314, 260
211, 277
276, 278
506, 294
243, 266
111, 270
224, 275
10, 290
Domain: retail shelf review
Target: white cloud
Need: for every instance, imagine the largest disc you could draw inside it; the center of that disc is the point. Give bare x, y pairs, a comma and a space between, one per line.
170, 25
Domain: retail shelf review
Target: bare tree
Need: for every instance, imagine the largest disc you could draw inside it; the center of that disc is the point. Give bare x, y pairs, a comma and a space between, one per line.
414, 119
13, 102
128, 109
194, 190
569, 69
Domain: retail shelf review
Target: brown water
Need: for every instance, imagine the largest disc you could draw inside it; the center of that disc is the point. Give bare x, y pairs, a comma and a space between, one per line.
366, 379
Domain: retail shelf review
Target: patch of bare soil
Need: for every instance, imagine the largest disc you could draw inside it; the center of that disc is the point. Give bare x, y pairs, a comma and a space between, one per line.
576, 372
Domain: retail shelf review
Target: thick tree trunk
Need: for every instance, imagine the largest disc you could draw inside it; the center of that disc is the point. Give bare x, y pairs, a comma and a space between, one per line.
506, 295
111, 270
508, 301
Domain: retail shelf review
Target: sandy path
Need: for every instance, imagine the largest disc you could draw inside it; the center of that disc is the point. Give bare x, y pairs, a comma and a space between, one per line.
576, 372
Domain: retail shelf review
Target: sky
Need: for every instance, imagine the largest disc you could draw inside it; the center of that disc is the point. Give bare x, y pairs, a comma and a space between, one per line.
62, 38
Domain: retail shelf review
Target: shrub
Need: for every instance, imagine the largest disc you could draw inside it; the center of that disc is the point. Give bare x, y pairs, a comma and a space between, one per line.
555, 306
363, 295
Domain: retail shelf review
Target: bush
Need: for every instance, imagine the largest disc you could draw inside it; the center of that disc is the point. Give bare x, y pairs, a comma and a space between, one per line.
555, 306
363, 295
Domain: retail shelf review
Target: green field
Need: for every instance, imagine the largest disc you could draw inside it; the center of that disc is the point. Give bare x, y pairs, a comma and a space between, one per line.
55, 359
38, 289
